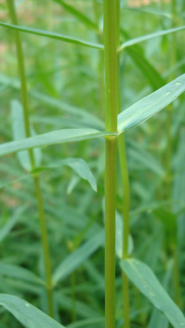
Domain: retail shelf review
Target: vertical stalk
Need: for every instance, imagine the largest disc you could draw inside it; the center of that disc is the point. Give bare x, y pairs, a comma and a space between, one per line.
111, 96
125, 187
44, 237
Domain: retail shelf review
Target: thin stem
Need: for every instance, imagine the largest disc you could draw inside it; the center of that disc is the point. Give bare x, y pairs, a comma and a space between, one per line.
22, 75
45, 245
110, 203
111, 96
110, 53
125, 187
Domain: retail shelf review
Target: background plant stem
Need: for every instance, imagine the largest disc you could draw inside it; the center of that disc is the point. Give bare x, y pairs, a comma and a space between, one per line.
45, 245
125, 186
111, 96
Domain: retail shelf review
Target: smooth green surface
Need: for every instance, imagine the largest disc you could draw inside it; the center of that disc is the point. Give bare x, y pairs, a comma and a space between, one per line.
27, 314
145, 280
132, 42
52, 35
51, 138
150, 105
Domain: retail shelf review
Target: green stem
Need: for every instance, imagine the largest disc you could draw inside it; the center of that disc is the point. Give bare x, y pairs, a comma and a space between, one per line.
111, 96
110, 203
22, 75
45, 245
125, 187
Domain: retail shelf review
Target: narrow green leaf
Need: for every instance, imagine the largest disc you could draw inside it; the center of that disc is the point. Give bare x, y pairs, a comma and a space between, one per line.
19, 134
150, 105
145, 280
53, 35
18, 272
81, 17
78, 165
131, 42
27, 314
55, 137
75, 259
4, 230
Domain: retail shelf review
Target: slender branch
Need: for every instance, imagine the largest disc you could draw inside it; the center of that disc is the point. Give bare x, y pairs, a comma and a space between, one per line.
22, 75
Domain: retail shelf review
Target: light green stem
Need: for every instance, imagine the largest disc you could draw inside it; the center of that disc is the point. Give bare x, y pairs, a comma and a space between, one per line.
110, 192
125, 187
22, 75
111, 96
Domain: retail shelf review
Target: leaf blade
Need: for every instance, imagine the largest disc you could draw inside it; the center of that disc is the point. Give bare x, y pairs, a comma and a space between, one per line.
27, 314
50, 138
55, 36
156, 101
150, 36
145, 280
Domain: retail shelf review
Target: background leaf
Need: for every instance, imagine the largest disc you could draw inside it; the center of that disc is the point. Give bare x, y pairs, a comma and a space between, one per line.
145, 280
27, 314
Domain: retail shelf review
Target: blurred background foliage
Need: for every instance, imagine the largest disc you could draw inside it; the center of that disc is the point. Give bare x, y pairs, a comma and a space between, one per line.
65, 82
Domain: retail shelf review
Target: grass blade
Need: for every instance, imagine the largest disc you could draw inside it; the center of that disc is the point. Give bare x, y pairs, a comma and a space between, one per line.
53, 35
27, 314
132, 42
78, 165
150, 105
145, 280
55, 137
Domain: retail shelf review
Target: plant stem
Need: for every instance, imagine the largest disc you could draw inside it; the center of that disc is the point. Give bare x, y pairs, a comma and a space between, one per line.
110, 203
45, 245
125, 187
22, 75
111, 96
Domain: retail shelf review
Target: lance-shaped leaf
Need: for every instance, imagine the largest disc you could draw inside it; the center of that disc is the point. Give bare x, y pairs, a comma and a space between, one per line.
131, 42
78, 165
27, 314
150, 105
53, 35
145, 280
51, 138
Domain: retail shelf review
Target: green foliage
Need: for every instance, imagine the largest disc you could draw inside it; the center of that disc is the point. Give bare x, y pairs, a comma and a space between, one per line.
66, 101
